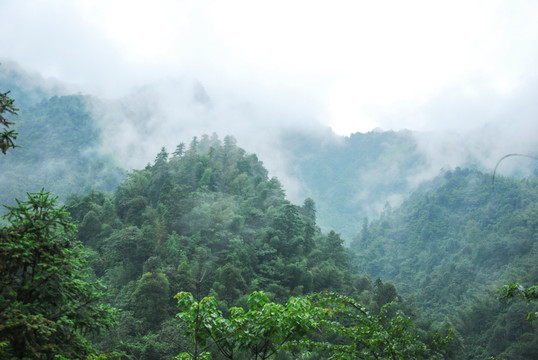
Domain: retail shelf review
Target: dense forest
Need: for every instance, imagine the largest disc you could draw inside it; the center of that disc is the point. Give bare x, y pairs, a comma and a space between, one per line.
207, 219
201, 254
59, 150
451, 245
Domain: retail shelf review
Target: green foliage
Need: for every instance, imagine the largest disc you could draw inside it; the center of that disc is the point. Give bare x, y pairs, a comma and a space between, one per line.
48, 302
329, 325
151, 298
509, 291
209, 221
7, 137
528, 294
449, 245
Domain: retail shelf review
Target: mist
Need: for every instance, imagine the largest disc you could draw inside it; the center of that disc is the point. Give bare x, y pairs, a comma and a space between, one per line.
501, 124
462, 77
135, 127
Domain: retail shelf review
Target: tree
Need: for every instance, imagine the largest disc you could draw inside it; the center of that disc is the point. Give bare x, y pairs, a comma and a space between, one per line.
327, 324
151, 298
528, 294
7, 137
261, 331
309, 209
48, 304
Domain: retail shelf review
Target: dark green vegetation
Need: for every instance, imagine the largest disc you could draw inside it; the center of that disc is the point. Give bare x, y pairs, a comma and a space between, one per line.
8, 136
48, 302
452, 246
512, 290
207, 220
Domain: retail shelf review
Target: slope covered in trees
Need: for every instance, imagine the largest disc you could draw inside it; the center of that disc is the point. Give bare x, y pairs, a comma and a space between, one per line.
58, 142
451, 246
49, 300
207, 220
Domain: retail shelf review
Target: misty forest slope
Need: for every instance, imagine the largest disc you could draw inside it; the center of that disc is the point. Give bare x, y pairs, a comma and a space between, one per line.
349, 178
354, 177
206, 219
61, 145
451, 246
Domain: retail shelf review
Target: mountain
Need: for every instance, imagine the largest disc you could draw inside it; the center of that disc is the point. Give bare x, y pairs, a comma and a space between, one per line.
207, 219
28, 89
354, 177
58, 144
349, 178
451, 245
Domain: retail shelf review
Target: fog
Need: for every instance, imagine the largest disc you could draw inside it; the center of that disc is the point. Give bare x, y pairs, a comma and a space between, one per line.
135, 127
461, 74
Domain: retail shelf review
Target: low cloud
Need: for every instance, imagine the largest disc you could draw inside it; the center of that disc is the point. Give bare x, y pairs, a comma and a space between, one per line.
165, 72
164, 114
480, 129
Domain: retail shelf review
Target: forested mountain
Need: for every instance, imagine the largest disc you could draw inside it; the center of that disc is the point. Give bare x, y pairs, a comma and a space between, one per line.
208, 220
451, 246
59, 143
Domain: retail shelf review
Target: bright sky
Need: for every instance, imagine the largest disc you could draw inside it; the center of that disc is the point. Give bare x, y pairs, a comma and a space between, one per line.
358, 64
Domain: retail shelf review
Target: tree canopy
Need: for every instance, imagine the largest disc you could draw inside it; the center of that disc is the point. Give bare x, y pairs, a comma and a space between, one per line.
7, 136
48, 300
323, 325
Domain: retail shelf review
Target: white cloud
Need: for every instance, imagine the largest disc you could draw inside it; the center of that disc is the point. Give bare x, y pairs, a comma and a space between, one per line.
353, 65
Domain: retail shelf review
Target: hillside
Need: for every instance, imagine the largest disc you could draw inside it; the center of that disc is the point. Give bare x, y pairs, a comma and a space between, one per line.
59, 144
451, 245
349, 178
207, 219
354, 177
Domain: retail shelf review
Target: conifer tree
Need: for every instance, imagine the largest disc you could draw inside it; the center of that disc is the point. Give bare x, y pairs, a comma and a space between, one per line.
48, 304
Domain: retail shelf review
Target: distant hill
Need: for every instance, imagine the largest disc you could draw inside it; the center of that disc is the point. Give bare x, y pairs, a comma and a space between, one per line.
349, 178
27, 88
354, 177
58, 142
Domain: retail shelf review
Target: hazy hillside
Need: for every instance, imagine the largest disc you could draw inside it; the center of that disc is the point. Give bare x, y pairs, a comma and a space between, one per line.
349, 178
354, 177
59, 143
233, 180
208, 218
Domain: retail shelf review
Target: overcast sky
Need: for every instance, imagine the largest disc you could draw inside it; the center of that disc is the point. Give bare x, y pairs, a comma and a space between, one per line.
351, 65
